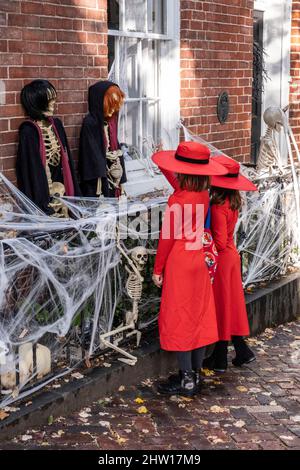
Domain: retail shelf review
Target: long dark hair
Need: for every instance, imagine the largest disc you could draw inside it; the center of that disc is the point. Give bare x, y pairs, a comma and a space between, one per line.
196, 183
219, 195
35, 97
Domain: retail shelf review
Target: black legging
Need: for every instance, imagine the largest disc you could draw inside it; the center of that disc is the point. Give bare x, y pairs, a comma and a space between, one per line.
189, 360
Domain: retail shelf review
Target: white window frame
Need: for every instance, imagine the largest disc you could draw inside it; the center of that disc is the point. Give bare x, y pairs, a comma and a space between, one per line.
168, 73
277, 48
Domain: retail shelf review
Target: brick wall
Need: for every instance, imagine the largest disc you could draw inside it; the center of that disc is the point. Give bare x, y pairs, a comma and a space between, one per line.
295, 71
64, 41
216, 55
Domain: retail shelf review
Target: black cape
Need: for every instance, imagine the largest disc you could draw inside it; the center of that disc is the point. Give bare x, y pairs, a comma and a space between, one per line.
31, 174
92, 151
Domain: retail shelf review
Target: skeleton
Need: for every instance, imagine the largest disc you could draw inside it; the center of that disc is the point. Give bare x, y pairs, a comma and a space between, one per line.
136, 262
115, 170
269, 153
57, 191
53, 158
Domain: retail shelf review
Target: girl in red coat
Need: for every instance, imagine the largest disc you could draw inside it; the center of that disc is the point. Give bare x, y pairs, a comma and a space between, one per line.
228, 290
187, 317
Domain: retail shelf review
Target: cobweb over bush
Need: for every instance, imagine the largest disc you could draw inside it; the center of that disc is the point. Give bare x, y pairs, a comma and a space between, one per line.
62, 283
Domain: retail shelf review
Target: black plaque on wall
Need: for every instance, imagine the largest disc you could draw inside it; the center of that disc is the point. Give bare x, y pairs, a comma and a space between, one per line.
223, 107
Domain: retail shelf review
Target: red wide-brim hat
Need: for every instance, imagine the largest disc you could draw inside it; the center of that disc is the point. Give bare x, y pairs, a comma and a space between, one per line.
190, 158
233, 179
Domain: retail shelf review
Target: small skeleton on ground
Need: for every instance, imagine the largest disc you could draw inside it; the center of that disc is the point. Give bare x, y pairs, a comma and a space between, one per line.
136, 262
269, 153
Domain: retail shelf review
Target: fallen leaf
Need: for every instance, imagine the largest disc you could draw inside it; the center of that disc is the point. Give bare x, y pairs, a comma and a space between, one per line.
142, 410
239, 424
189, 428
23, 333
77, 375
56, 386
215, 439
88, 362
186, 399
50, 420
105, 424
26, 437
217, 409
139, 400
3, 415
207, 372
11, 409
242, 389
57, 434
84, 414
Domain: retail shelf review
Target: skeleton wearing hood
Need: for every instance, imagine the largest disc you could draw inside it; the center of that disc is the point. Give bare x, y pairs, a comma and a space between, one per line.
101, 164
44, 163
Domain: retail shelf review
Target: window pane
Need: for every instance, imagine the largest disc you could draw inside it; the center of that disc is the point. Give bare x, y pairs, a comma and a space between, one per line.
113, 14
135, 15
132, 68
156, 16
150, 127
129, 124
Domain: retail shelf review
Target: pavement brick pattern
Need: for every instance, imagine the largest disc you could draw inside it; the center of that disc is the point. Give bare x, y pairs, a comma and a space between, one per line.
255, 407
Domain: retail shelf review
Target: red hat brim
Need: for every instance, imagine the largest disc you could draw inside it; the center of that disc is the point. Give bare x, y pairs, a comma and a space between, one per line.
166, 159
240, 183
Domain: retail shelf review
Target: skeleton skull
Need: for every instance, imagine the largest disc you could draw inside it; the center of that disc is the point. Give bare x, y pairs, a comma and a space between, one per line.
274, 117
139, 255
58, 189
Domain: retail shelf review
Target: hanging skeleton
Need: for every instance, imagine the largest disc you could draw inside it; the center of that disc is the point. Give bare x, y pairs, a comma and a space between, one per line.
53, 158
136, 262
269, 153
114, 169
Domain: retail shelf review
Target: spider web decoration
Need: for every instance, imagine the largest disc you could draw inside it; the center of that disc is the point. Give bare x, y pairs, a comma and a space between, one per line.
61, 283
267, 232
62, 280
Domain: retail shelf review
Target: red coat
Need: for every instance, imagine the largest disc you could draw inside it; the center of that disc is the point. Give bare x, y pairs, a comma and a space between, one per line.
228, 290
187, 317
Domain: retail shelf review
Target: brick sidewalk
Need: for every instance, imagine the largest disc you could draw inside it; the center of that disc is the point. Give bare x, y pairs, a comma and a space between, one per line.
257, 407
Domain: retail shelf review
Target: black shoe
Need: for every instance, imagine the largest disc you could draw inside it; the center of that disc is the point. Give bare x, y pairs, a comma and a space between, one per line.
186, 386
244, 355
176, 378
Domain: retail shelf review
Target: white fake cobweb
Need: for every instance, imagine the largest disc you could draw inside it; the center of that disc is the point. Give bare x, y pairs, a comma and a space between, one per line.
62, 283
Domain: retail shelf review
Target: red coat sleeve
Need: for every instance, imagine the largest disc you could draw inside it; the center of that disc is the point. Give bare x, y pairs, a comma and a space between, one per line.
219, 226
170, 176
166, 238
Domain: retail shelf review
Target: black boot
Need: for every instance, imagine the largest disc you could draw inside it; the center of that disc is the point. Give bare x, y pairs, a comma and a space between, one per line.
176, 378
186, 386
244, 355
209, 362
220, 359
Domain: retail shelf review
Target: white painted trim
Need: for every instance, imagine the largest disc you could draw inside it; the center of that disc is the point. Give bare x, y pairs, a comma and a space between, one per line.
139, 35
277, 43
